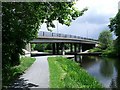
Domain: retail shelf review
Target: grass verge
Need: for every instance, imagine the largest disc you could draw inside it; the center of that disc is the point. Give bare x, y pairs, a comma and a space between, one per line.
25, 63
65, 73
14, 72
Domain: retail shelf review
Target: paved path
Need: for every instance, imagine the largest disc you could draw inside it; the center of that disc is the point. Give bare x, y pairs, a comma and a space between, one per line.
38, 73
37, 76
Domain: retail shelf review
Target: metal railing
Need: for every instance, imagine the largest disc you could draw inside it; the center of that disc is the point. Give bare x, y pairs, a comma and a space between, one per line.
51, 34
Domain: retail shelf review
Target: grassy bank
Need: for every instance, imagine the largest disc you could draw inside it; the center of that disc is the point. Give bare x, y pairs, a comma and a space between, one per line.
65, 73
13, 72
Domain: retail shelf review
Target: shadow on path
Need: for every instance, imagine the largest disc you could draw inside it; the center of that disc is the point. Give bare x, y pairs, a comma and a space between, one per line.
21, 84
35, 77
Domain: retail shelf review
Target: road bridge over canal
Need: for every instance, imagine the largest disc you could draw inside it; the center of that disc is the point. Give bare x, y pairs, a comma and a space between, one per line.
76, 43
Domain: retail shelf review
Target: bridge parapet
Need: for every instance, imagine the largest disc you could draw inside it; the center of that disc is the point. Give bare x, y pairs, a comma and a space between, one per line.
51, 34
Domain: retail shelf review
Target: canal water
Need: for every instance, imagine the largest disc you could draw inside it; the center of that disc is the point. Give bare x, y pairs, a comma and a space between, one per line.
105, 70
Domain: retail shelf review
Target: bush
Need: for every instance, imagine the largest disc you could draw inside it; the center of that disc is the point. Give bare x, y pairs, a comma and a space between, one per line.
109, 52
39, 47
32, 46
48, 47
95, 50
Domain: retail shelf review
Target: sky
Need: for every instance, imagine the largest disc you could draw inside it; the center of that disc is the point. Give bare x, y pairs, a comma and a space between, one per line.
92, 22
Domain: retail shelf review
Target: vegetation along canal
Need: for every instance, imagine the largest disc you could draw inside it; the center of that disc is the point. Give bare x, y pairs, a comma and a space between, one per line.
105, 70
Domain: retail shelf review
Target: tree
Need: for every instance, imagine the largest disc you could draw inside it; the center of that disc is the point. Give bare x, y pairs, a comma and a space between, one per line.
105, 39
115, 27
21, 22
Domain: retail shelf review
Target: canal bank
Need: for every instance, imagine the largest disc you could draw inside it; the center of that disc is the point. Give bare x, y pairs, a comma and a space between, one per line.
106, 71
66, 73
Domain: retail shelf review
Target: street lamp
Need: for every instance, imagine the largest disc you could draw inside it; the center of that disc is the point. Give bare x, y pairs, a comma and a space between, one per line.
57, 27
119, 5
87, 33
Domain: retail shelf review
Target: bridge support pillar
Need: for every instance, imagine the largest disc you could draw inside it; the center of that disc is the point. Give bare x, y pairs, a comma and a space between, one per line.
80, 47
63, 49
71, 47
28, 47
53, 47
57, 47
75, 47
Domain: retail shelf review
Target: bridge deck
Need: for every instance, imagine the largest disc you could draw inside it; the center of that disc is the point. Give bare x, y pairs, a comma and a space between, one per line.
48, 37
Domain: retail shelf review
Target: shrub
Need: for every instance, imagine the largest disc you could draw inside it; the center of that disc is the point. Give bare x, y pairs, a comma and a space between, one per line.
95, 50
109, 52
39, 47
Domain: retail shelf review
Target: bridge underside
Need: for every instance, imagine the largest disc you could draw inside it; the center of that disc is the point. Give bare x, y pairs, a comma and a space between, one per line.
74, 48
58, 48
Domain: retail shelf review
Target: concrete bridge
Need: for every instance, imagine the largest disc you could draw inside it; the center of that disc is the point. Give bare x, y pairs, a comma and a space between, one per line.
76, 43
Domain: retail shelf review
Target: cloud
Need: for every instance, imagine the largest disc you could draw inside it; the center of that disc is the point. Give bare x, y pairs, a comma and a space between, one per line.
94, 18
93, 21
101, 6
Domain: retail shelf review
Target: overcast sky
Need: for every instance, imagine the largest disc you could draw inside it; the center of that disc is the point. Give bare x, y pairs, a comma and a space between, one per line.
94, 20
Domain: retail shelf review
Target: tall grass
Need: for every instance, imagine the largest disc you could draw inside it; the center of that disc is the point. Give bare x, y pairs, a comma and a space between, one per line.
65, 73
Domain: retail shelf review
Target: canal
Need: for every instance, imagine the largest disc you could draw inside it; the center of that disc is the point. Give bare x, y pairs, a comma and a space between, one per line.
105, 70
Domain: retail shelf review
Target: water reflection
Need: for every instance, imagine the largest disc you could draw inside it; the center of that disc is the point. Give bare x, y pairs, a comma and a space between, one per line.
106, 67
105, 70
117, 78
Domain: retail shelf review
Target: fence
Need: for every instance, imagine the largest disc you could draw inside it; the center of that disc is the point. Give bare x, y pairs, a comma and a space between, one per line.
51, 34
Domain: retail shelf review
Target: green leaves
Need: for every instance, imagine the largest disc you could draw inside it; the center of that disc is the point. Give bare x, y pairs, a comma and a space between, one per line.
63, 12
115, 27
21, 22
105, 39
